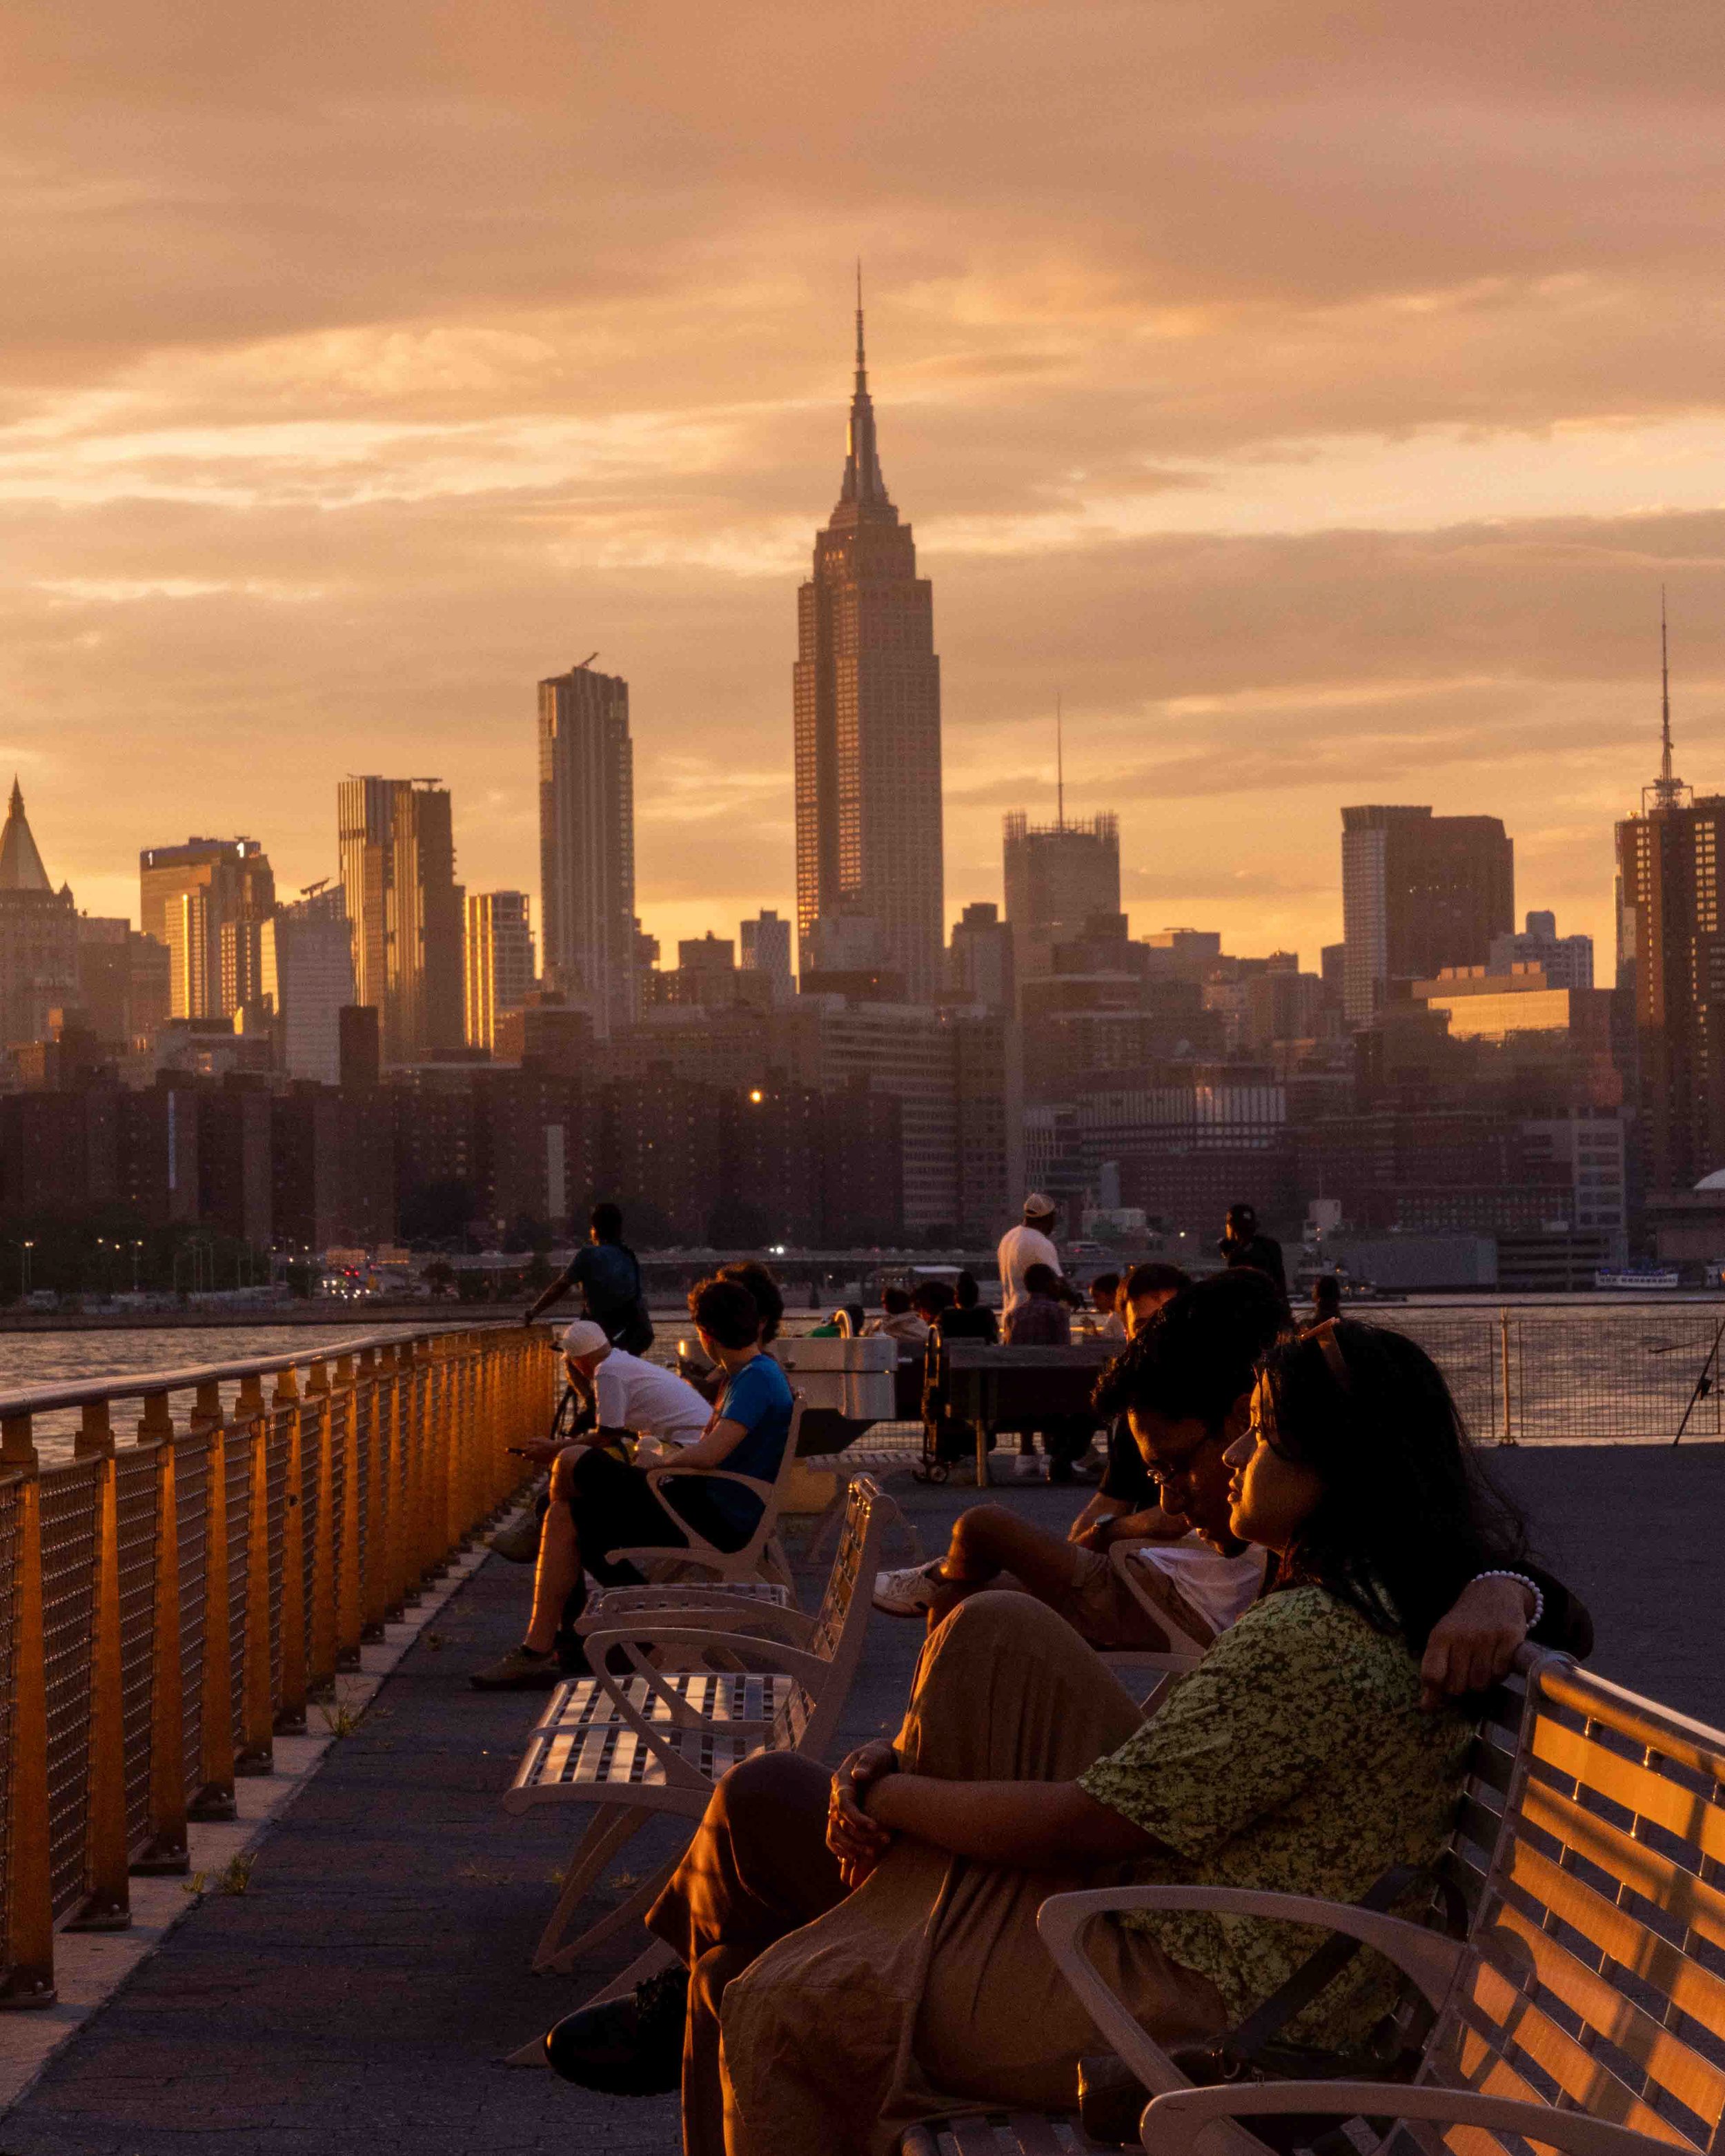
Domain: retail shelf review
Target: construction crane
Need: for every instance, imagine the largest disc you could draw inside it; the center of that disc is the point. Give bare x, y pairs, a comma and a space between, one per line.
588, 661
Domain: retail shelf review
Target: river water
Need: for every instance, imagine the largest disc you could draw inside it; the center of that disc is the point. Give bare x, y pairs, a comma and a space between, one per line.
1604, 1368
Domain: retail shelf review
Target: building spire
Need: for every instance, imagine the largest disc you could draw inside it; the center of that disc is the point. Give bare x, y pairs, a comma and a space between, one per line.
1667, 791
863, 485
862, 367
20, 864
1060, 763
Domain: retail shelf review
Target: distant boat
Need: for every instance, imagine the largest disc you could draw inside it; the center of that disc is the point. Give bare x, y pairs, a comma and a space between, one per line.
1637, 1276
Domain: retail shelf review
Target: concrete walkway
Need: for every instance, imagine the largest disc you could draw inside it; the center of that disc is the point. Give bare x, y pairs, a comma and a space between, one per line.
357, 1996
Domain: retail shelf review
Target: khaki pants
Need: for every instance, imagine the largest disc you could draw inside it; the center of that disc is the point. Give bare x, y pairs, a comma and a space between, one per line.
844, 2019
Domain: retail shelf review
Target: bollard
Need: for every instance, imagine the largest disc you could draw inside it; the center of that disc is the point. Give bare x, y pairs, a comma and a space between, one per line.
290, 1708
166, 1852
26, 1965
255, 1753
106, 1905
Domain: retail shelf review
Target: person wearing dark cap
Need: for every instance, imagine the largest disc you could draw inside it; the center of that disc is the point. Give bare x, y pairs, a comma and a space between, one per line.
1244, 1242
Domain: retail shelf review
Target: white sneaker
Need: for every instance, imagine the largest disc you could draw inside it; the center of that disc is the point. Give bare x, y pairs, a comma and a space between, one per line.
1028, 1467
909, 1593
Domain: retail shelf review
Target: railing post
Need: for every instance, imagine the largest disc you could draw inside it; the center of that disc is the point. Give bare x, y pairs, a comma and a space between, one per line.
290, 1711
374, 1586
391, 1392
215, 1799
255, 1753
106, 1905
321, 1617
166, 1852
1509, 1427
346, 1407
27, 1978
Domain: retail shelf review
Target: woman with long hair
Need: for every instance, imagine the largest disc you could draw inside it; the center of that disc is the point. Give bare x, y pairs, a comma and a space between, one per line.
867, 1946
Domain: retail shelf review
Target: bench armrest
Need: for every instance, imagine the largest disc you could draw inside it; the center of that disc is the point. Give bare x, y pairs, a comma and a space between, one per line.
1172, 2124
687, 1641
1427, 1956
794, 1626
695, 1549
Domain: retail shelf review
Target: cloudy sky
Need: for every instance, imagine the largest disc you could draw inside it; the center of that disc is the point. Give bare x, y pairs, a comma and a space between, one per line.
1314, 395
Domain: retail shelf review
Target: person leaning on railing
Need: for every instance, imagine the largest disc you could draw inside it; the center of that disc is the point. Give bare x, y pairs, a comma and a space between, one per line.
867, 1942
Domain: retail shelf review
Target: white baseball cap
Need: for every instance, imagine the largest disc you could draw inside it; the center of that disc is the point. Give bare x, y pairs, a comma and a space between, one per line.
584, 1337
1039, 1205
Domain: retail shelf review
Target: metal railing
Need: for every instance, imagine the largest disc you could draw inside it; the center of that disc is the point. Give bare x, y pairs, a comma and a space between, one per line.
1622, 1376
171, 1605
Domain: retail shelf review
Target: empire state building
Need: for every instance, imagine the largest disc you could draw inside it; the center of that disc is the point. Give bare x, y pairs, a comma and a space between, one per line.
868, 720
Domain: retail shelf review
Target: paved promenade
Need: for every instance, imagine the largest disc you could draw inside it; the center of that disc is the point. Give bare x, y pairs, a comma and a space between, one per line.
357, 1997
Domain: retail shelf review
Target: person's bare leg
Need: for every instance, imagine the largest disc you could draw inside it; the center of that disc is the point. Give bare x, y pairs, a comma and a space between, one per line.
558, 1571
989, 1540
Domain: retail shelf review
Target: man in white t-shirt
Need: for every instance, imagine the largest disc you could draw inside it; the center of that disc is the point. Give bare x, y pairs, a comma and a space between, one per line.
629, 1397
1030, 1244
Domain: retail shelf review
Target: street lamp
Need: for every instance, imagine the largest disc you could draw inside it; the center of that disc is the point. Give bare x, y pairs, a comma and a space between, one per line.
26, 1248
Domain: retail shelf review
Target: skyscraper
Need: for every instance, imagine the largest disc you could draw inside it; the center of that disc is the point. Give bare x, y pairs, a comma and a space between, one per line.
308, 976
499, 960
1419, 893
39, 936
208, 902
767, 949
867, 699
1057, 877
980, 969
397, 855
587, 843
1670, 963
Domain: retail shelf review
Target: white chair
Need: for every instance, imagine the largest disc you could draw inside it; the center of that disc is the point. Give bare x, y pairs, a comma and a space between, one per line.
762, 1553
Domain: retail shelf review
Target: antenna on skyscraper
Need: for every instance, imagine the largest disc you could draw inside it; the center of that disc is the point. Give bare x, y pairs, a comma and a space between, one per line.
1060, 764
861, 363
1666, 790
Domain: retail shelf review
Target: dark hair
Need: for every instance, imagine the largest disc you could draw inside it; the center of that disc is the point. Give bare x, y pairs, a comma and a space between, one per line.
751, 1274
1246, 1215
1407, 1515
1325, 1296
895, 1301
1040, 1279
1106, 1284
725, 1311
965, 1291
1198, 1354
930, 1297
1154, 1279
606, 1221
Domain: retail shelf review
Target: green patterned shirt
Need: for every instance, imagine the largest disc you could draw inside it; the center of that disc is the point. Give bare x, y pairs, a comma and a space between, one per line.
1295, 1759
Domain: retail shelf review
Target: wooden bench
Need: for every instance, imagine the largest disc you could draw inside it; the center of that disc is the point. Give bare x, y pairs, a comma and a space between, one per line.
656, 1738
1585, 2009
996, 1389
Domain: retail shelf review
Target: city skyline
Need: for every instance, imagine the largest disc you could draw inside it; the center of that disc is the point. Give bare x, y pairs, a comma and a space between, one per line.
1336, 478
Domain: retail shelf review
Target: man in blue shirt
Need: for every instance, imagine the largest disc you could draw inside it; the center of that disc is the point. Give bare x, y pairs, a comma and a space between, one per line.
608, 1504
605, 1270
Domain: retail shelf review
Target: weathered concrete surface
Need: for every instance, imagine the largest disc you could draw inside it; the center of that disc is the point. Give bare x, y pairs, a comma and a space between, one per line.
356, 1998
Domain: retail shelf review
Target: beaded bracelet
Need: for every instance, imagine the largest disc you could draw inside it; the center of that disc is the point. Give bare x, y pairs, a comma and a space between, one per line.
1533, 1587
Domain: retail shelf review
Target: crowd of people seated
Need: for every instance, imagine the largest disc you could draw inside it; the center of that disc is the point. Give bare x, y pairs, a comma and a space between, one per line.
855, 1948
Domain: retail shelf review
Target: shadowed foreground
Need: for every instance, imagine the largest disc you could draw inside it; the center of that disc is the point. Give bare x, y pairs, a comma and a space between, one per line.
358, 1994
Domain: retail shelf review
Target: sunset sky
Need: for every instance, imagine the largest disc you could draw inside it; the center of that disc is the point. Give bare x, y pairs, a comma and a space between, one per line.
1314, 395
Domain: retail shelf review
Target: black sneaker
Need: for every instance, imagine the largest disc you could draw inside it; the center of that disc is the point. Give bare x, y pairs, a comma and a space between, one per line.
629, 2047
